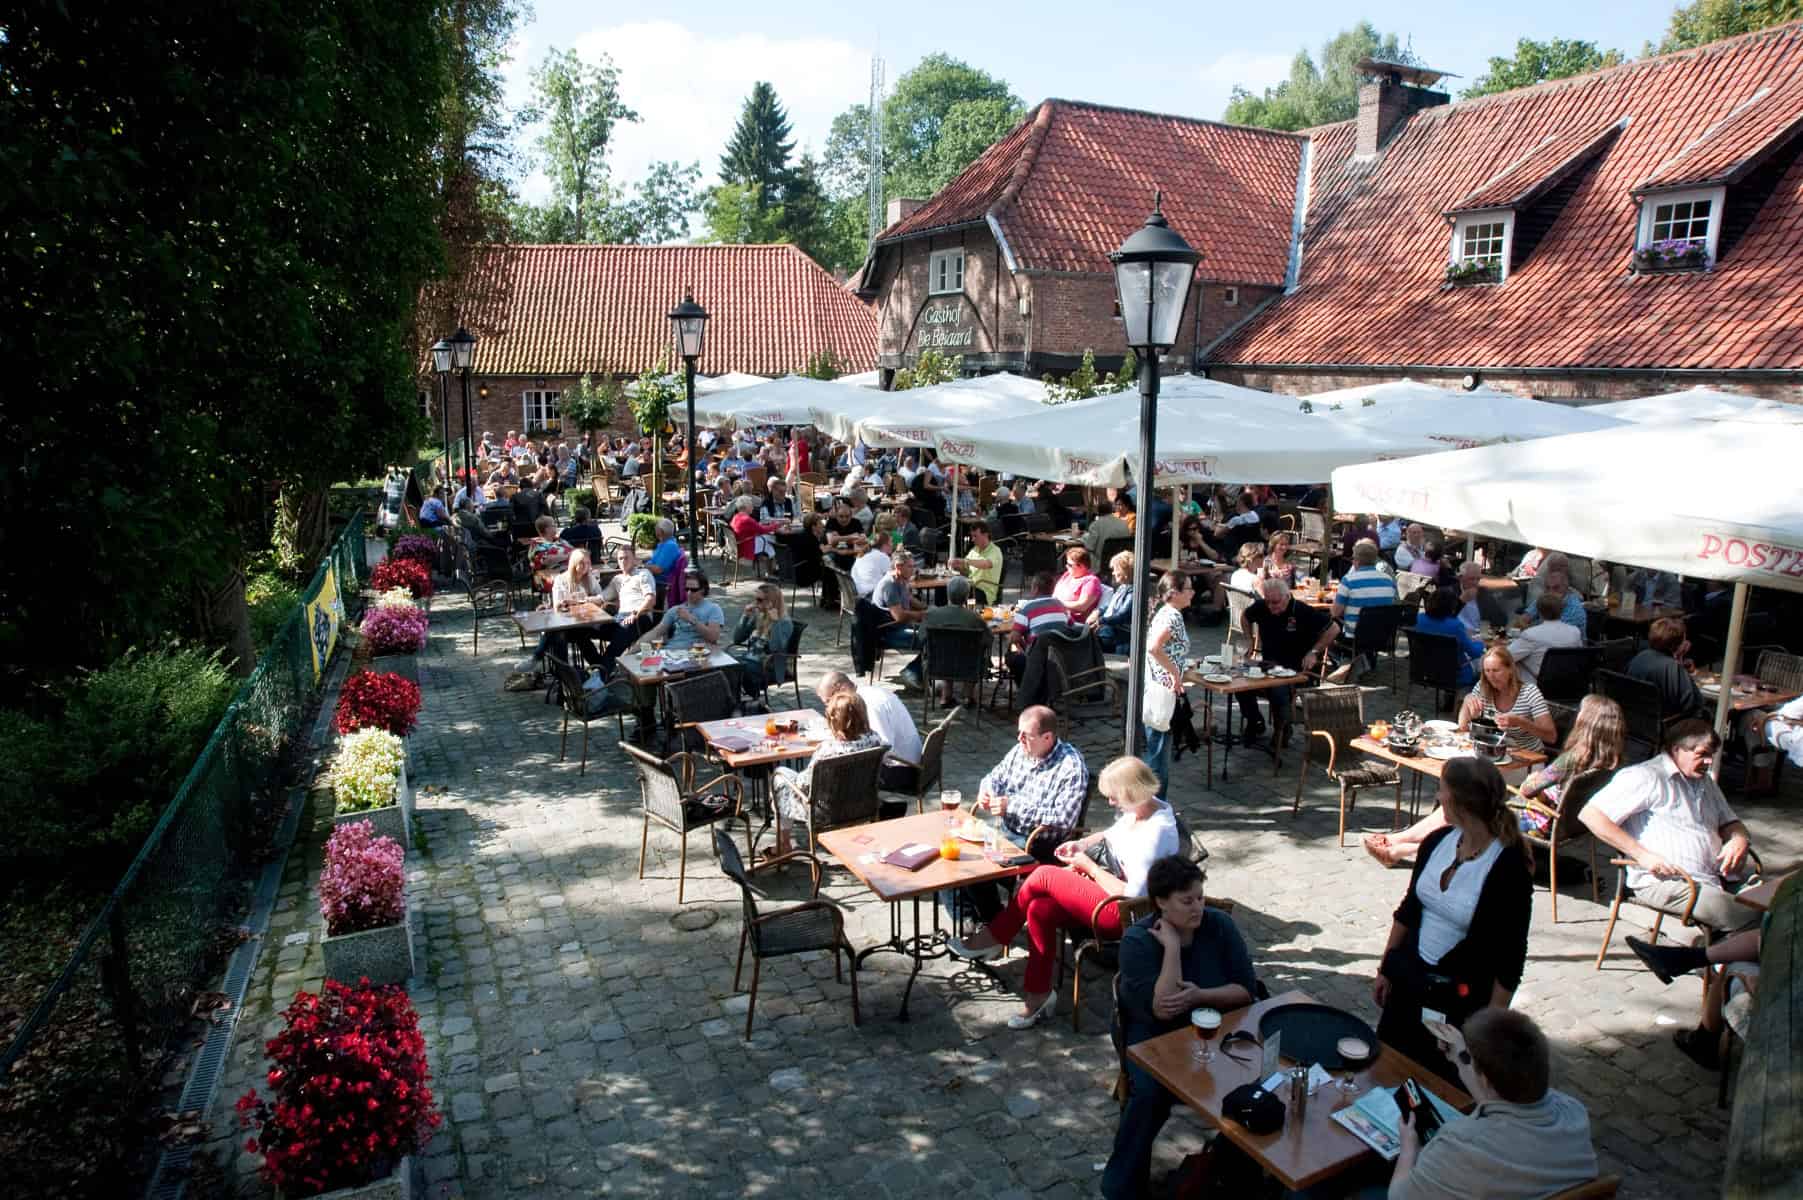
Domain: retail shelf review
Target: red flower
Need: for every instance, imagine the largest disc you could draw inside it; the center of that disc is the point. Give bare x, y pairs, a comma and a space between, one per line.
379, 700
409, 573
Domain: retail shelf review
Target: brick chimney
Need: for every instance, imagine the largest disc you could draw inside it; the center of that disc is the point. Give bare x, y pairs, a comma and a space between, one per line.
1389, 99
900, 209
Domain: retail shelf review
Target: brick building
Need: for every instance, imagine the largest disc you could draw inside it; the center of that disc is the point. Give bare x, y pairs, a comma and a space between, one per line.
1502, 240
552, 314
1008, 264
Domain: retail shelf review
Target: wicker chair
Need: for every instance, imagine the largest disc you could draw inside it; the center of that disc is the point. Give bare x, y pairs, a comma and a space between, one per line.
842, 791
1565, 826
953, 656
790, 657
1780, 669
1434, 661
670, 797
932, 761
708, 696
812, 925
488, 598
1565, 672
1375, 632
1081, 696
1642, 709
582, 705
1238, 601
848, 601
1625, 895
1336, 715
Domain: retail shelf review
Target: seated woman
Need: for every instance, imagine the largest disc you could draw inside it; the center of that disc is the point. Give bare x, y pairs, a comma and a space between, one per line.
762, 630
1113, 618
753, 536
1277, 564
848, 731
1441, 616
1252, 562
1078, 589
1181, 957
1516, 705
804, 544
1052, 898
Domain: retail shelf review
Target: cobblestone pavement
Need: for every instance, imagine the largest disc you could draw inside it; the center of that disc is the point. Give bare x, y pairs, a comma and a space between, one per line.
582, 1045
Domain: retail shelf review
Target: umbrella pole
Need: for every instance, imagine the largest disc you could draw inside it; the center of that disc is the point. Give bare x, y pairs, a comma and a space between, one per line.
1737, 619
1176, 524
957, 473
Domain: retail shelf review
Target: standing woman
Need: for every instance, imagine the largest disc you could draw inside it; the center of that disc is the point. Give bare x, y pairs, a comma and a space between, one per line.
1167, 647
1459, 938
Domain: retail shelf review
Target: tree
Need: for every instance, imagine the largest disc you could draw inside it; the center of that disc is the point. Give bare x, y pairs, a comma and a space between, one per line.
1705, 21
918, 111
578, 105
1085, 382
589, 406
1317, 95
822, 364
657, 209
738, 215
1535, 62
929, 368
757, 154
653, 395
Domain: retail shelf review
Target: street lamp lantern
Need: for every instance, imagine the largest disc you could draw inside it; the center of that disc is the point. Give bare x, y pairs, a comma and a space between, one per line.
441, 356
462, 345
690, 322
441, 364
463, 349
1152, 274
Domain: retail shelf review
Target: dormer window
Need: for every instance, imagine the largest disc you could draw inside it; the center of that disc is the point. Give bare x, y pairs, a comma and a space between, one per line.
1678, 230
1480, 248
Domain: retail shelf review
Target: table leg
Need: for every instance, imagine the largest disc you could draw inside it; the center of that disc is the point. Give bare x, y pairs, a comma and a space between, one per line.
913, 948
1208, 736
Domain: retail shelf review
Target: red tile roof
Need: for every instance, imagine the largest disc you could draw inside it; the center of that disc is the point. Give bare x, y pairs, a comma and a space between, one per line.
565, 310
1544, 167
1376, 239
1072, 180
1725, 152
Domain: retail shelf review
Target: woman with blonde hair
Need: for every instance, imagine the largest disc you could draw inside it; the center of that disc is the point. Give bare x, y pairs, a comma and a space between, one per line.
763, 630
1595, 743
1277, 564
848, 731
1252, 563
1514, 703
1113, 862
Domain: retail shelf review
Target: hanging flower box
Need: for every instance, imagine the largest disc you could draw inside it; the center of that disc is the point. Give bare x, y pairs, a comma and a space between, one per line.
1665, 258
1469, 274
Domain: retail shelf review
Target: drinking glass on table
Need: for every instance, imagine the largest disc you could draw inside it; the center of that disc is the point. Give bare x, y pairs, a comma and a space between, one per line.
950, 800
1207, 1023
657, 645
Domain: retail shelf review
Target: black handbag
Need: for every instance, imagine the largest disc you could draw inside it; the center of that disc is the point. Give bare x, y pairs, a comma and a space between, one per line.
1258, 1110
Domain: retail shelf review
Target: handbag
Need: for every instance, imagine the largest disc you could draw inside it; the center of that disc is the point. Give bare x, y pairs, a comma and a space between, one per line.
1156, 708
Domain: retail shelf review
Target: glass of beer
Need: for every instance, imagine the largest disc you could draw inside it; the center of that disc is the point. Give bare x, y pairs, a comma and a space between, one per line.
950, 801
1207, 1023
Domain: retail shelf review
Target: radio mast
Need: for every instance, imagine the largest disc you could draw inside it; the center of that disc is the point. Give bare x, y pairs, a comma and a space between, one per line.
874, 142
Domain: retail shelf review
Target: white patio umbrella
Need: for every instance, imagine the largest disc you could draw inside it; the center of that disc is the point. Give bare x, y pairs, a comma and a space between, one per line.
1711, 499
863, 379
1692, 404
786, 401
707, 385
1475, 418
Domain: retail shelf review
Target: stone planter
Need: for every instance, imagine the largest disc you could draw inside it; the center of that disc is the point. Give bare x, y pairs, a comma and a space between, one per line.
404, 665
397, 1186
395, 820
385, 955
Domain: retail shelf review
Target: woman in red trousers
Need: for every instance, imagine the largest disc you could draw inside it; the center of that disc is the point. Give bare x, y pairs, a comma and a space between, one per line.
1111, 863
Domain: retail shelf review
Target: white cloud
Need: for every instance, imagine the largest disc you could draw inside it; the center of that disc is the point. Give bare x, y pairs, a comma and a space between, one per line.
1216, 79
687, 88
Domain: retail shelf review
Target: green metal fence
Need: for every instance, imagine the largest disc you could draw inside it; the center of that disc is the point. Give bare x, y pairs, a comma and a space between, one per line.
78, 1065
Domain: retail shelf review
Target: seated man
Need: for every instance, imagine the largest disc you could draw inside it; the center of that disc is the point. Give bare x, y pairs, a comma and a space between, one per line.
1412, 547
1671, 818
1286, 634
1182, 956
1662, 665
955, 613
1703, 1044
906, 611
890, 720
1107, 525
1471, 577
1523, 1141
1361, 587
548, 553
1530, 645
983, 564
870, 569
905, 526
1555, 577
777, 507
701, 620
632, 594
1037, 612
666, 553
582, 531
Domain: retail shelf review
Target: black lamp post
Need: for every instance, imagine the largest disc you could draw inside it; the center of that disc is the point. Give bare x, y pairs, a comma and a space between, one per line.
689, 320
463, 357
1152, 274
441, 364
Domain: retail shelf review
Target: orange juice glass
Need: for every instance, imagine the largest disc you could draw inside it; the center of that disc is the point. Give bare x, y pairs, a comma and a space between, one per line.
769, 726
948, 848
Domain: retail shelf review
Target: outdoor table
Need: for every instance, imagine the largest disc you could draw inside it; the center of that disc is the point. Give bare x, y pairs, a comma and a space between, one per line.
927, 583
1188, 566
1759, 897
859, 848
1760, 695
1241, 682
1062, 536
764, 751
545, 620
1300, 1154
634, 667
1423, 766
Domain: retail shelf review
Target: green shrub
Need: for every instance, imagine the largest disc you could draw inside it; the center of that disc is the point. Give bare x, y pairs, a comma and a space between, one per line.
272, 598
30, 788
582, 497
642, 528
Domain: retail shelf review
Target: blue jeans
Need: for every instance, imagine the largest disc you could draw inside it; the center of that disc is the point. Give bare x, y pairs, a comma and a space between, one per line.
905, 637
1128, 1174
1158, 757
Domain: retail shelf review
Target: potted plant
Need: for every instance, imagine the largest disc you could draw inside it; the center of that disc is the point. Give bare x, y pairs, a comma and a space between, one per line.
395, 633
349, 1103
377, 700
1476, 271
369, 783
1658, 258
409, 573
363, 897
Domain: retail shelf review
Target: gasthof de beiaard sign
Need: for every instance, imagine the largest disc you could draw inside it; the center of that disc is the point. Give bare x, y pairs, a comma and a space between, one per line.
946, 325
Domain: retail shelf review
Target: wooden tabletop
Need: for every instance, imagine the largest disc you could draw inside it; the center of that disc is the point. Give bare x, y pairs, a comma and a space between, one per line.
1300, 1154
890, 884
1763, 695
1519, 760
1188, 567
1064, 536
787, 747
633, 666
1642, 614
545, 620
924, 583
1500, 583
1241, 681
1760, 896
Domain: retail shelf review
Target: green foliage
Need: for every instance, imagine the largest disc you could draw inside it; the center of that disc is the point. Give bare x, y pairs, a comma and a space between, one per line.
1705, 21
642, 529
589, 406
1317, 95
272, 597
583, 497
738, 214
1086, 381
757, 154
94, 780
929, 368
1535, 62
822, 364
762, 197
941, 97
656, 393
578, 105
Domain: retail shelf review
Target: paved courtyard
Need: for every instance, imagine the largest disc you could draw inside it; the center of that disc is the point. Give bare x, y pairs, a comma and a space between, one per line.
583, 1045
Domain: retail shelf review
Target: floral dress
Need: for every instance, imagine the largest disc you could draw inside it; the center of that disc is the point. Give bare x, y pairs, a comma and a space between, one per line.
1544, 785
1176, 647
792, 786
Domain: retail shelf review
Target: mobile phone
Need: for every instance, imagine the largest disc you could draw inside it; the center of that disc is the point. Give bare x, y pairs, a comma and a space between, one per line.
1426, 1118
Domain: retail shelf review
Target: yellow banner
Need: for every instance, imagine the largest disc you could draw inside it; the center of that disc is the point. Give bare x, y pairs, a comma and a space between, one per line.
325, 613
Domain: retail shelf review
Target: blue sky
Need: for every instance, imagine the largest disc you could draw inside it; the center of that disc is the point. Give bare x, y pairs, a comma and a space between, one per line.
686, 68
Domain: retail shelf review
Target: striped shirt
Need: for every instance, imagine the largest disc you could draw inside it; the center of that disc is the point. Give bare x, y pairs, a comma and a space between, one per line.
1676, 818
1033, 617
1362, 586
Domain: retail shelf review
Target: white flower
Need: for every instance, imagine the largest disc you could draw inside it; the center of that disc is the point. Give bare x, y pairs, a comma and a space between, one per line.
367, 773
398, 597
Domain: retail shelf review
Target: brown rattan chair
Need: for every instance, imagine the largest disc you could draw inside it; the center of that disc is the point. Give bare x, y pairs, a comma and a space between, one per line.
841, 791
1625, 895
670, 797
1565, 827
584, 706
952, 656
1336, 715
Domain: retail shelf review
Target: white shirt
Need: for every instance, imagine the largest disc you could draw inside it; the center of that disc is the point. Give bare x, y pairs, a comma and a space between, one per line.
1406, 555
869, 570
1530, 645
1246, 581
1245, 518
562, 592
1676, 818
633, 592
1446, 913
890, 720
1138, 844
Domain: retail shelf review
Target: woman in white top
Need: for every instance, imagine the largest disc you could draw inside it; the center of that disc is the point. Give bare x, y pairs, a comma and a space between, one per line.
1516, 705
1167, 647
1055, 898
1252, 564
576, 583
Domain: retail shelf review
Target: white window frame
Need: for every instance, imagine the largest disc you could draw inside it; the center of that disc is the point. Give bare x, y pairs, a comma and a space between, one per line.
1649, 207
550, 409
1230, 297
425, 403
945, 273
1468, 221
